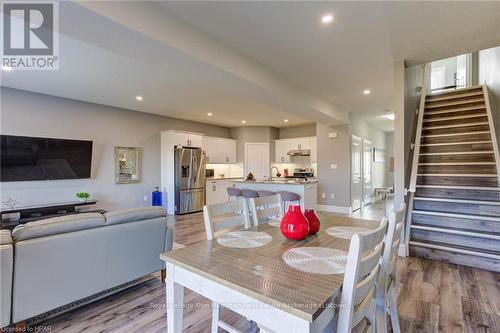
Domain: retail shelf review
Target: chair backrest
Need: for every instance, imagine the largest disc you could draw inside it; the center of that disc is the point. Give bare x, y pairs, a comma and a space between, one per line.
266, 208
225, 215
363, 265
396, 223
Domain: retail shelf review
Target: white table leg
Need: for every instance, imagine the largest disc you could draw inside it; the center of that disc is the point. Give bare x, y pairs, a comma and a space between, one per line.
175, 302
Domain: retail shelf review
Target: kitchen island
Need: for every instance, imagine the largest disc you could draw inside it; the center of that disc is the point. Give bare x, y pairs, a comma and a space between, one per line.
307, 190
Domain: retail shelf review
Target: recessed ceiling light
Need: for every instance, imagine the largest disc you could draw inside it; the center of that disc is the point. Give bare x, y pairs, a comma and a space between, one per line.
366, 92
210, 114
286, 120
6, 68
390, 116
243, 121
327, 18
139, 98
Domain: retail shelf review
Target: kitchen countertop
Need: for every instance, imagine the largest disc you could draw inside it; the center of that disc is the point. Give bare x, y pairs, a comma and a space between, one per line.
279, 182
225, 178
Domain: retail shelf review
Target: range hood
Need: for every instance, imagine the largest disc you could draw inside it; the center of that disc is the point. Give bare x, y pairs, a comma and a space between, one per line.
300, 152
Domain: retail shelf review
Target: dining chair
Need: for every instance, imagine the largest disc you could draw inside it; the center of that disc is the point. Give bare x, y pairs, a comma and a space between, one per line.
225, 215
266, 209
219, 217
358, 297
387, 291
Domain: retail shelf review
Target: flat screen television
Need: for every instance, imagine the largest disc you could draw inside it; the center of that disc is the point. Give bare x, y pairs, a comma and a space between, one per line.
26, 158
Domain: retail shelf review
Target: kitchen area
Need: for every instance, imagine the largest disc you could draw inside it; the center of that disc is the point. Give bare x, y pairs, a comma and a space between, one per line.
197, 169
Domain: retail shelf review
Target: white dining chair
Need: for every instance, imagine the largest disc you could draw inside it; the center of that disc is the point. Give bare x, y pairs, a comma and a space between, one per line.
219, 217
266, 209
387, 291
225, 215
358, 306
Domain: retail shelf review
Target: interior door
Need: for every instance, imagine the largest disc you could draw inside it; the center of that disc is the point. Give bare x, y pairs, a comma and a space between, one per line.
257, 160
367, 171
356, 183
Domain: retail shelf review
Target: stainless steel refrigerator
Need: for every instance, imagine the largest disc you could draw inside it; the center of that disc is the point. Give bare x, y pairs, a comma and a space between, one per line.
190, 179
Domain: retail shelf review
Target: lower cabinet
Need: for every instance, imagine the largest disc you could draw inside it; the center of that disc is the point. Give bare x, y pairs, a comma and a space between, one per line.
216, 191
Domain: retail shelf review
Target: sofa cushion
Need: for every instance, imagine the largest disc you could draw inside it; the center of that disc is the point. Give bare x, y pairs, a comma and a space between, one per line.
58, 225
5, 238
134, 214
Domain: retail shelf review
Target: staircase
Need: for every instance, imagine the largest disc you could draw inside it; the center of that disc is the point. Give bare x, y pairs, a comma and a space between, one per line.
455, 214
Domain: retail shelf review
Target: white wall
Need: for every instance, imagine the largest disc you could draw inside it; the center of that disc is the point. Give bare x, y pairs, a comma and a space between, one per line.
30, 114
489, 74
389, 143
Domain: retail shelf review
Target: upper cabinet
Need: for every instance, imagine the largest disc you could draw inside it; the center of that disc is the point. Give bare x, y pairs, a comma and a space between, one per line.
185, 139
283, 146
219, 150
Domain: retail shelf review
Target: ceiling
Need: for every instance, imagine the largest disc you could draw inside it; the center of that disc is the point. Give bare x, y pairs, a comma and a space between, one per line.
262, 62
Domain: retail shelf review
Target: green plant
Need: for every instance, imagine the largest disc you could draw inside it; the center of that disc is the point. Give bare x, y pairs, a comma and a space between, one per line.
82, 195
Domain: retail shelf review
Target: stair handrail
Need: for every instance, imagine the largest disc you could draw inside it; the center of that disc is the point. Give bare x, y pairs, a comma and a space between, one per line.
492, 129
418, 133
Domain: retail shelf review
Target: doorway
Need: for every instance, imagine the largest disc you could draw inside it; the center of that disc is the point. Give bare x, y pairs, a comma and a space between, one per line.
257, 160
361, 172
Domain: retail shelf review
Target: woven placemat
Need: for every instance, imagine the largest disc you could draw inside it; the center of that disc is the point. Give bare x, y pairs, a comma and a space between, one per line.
346, 232
244, 239
275, 223
319, 260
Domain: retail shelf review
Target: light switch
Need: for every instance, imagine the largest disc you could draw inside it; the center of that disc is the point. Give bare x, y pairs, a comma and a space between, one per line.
323, 195
333, 166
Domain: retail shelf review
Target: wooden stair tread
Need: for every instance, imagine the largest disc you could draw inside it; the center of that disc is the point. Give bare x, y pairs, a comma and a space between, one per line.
463, 201
470, 116
457, 231
454, 134
457, 163
456, 125
457, 215
455, 143
458, 187
435, 105
468, 152
445, 97
452, 110
462, 249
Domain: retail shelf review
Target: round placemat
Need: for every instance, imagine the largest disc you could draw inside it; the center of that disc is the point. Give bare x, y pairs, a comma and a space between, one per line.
275, 223
244, 239
319, 260
346, 232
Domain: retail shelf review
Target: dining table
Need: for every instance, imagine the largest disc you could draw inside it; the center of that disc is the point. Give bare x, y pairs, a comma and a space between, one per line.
256, 282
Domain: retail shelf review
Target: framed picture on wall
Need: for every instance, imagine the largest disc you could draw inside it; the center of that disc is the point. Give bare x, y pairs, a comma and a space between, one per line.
378, 155
128, 165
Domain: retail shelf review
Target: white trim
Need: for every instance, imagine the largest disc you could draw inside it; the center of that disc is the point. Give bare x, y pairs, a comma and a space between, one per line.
475, 202
458, 216
455, 134
402, 250
458, 153
482, 114
492, 129
455, 232
452, 249
468, 108
455, 143
458, 174
334, 209
457, 163
454, 187
456, 125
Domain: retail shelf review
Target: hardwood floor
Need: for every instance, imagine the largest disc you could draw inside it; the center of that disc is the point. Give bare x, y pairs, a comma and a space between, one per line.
432, 297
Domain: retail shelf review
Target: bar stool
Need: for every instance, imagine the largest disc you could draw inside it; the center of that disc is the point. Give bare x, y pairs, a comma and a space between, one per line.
248, 194
288, 197
266, 193
233, 192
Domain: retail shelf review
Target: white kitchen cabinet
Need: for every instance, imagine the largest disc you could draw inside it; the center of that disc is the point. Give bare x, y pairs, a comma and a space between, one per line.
217, 191
283, 146
219, 150
185, 139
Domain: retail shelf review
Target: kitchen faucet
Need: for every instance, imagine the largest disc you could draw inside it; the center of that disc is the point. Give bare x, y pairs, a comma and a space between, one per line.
271, 173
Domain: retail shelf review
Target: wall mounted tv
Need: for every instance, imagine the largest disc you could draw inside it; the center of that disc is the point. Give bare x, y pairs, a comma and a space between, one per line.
26, 158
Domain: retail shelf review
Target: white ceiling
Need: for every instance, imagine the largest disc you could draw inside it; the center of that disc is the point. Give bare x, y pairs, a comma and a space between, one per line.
258, 61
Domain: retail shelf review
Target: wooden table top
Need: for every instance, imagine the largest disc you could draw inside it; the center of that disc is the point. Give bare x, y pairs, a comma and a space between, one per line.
261, 272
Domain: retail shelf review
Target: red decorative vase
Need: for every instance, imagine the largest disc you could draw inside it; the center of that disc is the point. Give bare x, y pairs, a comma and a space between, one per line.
313, 221
294, 224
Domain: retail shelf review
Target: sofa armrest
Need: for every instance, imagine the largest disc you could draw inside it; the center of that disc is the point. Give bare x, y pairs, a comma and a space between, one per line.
169, 239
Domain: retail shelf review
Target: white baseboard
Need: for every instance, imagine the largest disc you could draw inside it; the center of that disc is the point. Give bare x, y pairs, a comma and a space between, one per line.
334, 209
402, 250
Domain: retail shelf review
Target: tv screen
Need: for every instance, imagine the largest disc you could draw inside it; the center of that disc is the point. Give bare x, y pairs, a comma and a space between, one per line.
26, 158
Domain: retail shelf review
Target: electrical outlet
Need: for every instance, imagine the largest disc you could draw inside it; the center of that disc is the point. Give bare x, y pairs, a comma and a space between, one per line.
323, 195
333, 166
332, 196
145, 198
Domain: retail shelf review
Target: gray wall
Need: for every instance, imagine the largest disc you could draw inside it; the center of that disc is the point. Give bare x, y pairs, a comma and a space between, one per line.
30, 114
254, 134
389, 143
334, 151
364, 130
297, 131
489, 74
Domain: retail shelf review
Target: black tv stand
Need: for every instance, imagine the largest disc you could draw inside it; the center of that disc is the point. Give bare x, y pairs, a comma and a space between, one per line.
42, 211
